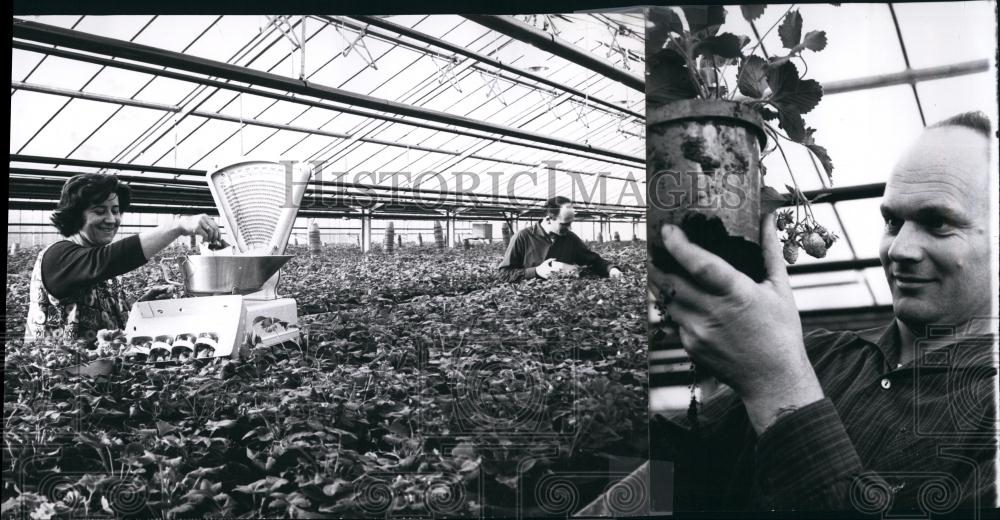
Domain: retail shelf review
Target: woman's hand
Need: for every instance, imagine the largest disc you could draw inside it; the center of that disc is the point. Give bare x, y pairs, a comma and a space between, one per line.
158, 292
201, 225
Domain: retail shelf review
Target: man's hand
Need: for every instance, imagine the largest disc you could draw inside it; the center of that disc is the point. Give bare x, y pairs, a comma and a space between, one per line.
157, 292
201, 225
747, 334
545, 269
615, 273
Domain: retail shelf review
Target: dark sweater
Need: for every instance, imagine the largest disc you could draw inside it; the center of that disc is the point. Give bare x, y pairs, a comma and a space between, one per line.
68, 267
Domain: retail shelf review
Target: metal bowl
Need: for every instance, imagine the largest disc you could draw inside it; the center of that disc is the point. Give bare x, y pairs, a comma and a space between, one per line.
218, 274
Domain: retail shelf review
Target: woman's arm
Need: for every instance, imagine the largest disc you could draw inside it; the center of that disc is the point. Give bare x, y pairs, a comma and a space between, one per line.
68, 267
159, 238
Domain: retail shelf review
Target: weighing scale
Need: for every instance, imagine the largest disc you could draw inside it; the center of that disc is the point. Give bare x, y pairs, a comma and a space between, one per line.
233, 292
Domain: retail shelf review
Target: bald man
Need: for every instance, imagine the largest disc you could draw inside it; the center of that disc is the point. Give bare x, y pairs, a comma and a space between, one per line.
899, 417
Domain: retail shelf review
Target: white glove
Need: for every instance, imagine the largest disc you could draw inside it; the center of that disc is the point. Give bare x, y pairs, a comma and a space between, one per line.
615, 273
545, 269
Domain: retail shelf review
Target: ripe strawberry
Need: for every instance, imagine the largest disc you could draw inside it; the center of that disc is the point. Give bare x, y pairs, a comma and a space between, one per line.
814, 245
791, 252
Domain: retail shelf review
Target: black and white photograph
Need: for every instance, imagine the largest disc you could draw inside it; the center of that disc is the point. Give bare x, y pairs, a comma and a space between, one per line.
502, 261
326, 266
822, 223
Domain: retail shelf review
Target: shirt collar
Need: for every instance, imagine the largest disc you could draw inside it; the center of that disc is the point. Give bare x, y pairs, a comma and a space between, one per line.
960, 351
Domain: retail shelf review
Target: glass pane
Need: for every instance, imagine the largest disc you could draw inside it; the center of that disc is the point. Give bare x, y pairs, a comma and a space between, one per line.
174, 33
28, 112
864, 225
69, 128
942, 33
118, 27
128, 123
944, 98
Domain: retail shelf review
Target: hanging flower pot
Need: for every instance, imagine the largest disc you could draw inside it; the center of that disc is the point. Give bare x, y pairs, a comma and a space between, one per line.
703, 160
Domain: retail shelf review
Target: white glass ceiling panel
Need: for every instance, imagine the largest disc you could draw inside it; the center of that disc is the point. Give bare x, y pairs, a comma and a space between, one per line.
876, 279
282, 112
944, 98
438, 25
864, 225
174, 33
866, 131
28, 112
118, 83
268, 142
22, 63
63, 73
362, 78
162, 153
310, 146
244, 105
165, 90
73, 124
118, 27
227, 37
116, 133
64, 21
832, 297
942, 33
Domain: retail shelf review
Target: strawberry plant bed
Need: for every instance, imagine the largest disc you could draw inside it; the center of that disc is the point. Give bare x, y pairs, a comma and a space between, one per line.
455, 399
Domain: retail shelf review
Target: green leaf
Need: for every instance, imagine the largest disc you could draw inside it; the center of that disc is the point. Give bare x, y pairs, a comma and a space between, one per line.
814, 41
663, 21
790, 30
753, 77
792, 123
789, 92
669, 79
824, 158
753, 11
706, 18
725, 45
767, 114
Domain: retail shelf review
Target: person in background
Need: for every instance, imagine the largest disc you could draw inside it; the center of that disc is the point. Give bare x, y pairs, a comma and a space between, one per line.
550, 247
74, 290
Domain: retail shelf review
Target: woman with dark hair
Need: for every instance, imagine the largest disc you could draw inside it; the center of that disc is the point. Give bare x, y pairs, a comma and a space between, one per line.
74, 290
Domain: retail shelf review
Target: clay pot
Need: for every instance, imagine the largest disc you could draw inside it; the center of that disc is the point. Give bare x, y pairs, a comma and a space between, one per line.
703, 160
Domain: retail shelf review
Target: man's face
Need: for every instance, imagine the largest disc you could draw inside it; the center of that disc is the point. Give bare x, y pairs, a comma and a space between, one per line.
935, 247
101, 221
561, 224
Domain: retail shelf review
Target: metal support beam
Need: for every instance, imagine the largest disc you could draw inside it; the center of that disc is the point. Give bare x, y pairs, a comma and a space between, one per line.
366, 232
59, 36
906, 77
550, 43
450, 229
278, 126
316, 189
839, 265
437, 42
861, 191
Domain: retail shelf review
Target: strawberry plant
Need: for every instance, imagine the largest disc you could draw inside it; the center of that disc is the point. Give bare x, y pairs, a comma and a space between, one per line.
689, 59
438, 393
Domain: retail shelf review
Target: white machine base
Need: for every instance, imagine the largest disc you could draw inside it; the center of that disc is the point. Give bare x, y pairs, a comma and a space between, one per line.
232, 317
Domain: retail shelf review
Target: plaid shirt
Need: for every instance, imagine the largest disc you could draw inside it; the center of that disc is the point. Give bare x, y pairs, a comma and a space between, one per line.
887, 437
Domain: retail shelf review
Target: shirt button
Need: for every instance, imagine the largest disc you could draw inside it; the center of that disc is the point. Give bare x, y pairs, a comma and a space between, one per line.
886, 384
